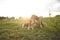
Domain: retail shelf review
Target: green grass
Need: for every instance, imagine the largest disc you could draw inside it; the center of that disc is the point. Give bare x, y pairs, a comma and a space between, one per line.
12, 30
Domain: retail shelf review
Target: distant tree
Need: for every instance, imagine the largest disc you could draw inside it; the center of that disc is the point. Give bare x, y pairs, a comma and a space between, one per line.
4, 18
12, 18
57, 16
20, 18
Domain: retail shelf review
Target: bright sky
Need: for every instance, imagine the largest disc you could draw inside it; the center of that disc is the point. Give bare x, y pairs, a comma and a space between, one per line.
26, 8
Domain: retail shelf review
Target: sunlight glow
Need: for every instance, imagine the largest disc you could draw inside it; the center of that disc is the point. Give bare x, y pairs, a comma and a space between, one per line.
24, 8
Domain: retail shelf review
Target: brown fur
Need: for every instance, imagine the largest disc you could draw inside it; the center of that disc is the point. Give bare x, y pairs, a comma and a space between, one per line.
30, 24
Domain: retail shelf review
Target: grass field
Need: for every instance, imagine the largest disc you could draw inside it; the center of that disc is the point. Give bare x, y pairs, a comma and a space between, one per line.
12, 30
